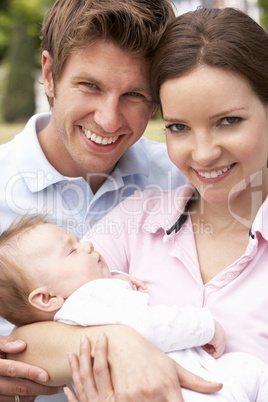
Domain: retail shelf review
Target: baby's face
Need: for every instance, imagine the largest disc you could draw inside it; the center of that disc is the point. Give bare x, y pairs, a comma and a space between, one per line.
59, 261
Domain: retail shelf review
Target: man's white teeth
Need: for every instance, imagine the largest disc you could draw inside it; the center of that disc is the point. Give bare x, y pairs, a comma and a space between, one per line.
98, 139
214, 174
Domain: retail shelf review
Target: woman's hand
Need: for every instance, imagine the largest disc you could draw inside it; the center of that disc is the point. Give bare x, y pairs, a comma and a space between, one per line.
17, 378
92, 381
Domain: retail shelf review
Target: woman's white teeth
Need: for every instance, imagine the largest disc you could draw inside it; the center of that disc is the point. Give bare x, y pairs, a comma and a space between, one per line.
98, 139
214, 174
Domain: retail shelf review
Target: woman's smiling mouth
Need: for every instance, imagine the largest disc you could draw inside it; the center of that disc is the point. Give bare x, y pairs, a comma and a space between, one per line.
213, 174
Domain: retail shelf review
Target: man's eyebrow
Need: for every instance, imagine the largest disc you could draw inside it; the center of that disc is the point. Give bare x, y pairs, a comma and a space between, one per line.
88, 78
85, 77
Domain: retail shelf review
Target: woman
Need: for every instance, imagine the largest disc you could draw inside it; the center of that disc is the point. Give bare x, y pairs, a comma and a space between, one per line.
206, 244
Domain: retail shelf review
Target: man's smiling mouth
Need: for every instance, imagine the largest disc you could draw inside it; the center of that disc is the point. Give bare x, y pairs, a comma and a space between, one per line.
98, 139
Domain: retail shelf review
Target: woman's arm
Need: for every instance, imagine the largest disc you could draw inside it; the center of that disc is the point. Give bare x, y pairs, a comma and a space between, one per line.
17, 377
139, 370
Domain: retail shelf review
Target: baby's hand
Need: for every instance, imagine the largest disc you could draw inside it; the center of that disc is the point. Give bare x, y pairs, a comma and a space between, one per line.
132, 280
217, 344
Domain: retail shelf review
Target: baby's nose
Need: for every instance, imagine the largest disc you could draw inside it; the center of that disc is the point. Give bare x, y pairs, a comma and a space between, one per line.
88, 246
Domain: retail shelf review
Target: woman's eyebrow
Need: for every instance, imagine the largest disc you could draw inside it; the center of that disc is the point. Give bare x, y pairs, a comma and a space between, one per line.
226, 112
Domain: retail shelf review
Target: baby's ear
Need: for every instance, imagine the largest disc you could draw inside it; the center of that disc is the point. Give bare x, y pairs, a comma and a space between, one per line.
42, 300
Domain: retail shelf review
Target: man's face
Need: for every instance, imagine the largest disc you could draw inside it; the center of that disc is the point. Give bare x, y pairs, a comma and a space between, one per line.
101, 106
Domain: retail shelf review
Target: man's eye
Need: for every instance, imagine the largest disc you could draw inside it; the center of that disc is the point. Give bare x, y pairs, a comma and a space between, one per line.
135, 96
88, 85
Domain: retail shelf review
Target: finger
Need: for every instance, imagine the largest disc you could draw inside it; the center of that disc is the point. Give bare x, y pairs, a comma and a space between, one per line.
11, 345
196, 383
138, 282
18, 386
69, 395
101, 369
11, 368
86, 369
22, 398
75, 371
83, 378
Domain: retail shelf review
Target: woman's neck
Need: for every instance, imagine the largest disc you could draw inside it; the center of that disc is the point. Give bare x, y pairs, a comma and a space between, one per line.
222, 231
240, 211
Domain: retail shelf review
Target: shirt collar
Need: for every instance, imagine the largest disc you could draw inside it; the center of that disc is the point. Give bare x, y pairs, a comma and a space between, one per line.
166, 208
260, 221
32, 163
177, 202
134, 160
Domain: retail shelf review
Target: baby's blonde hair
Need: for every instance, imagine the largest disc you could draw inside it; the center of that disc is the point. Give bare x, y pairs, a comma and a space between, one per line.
14, 280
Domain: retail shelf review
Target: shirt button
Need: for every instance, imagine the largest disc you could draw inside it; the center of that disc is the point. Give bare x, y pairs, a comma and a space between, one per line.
230, 276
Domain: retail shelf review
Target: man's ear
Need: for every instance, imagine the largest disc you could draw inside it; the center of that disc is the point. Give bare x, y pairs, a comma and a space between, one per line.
42, 300
47, 62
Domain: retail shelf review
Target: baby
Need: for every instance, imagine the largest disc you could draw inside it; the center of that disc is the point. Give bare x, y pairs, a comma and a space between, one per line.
46, 273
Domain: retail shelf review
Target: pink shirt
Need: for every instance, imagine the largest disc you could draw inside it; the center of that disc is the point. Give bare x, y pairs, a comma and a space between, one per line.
132, 238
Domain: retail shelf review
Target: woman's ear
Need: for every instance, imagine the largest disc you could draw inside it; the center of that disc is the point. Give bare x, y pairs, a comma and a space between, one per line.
43, 301
48, 82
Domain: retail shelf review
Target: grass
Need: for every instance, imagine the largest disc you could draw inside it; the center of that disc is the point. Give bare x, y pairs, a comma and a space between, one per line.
8, 131
154, 131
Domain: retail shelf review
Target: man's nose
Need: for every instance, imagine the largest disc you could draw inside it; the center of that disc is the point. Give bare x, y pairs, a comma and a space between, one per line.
108, 114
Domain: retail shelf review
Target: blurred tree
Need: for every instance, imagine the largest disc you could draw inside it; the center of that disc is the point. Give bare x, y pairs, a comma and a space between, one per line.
263, 4
20, 22
19, 98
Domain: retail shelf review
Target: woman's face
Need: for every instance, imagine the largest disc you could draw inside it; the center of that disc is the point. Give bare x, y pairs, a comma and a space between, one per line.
216, 132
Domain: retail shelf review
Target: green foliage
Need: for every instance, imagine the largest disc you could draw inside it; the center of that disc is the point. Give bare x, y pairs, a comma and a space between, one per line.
20, 23
31, 12
263, 4
19, 101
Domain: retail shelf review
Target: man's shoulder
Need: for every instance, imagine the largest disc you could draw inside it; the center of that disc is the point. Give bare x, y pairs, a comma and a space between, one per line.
7, 156
151, 145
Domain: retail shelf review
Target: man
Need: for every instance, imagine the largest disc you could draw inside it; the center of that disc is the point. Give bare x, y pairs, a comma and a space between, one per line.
80, 161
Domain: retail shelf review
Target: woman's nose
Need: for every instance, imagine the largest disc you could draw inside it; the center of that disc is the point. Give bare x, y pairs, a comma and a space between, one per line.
205, 150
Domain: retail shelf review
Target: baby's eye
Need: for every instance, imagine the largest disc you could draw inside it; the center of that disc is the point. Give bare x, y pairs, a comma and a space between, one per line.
72, 250
228, 121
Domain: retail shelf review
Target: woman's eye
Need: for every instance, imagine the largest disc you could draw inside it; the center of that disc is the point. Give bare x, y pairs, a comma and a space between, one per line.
228, 121
175, 128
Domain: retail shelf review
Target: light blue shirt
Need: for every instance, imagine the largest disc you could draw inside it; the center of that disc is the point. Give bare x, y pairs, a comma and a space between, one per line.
30, 184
